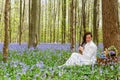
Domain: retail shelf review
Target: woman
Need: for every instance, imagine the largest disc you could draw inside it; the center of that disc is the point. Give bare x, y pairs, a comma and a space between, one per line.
87, 53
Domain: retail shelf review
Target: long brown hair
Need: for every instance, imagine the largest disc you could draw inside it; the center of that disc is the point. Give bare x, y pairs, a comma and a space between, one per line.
84, 37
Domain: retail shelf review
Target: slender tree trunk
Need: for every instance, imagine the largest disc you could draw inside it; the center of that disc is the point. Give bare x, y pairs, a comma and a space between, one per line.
84, 15
75, 19
22, 15
80, 23
63, 21
81, 28
6, 35
98, 21
95, 20
23, 18
111, 35
72, 25
69, 21
39, 21
47, 22
10, 29
50, 22
20, 27
1, 10
54, 26
88, 14
58, 20
42, 24
45, 30
29, 23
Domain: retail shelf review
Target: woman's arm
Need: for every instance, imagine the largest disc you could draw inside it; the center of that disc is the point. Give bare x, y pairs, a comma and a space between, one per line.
81, 50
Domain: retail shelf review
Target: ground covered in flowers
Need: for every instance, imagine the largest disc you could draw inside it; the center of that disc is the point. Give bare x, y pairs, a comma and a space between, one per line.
42, 64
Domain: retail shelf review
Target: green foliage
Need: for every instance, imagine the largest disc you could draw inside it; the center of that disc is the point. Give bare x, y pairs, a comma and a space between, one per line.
23, 66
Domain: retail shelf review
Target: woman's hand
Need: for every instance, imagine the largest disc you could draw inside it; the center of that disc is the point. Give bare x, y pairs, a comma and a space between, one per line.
81, 49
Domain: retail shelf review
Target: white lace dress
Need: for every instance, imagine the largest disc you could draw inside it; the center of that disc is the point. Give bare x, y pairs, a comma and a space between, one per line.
88, 57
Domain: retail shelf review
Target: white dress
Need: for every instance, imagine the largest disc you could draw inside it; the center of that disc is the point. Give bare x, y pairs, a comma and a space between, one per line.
88, 56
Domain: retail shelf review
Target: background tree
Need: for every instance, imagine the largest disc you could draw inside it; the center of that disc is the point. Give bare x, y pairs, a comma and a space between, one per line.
6, 35
39, 21
10, 29
95, 21
54, 21
33, 34
20, 27
63, 21
84, 15
72, 24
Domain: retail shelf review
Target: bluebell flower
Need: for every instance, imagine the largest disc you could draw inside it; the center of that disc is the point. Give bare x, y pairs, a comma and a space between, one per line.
40, 64
112, 68
101, 71
112, 53
119, 68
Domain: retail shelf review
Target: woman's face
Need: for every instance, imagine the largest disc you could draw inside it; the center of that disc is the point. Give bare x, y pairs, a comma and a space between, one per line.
88, 38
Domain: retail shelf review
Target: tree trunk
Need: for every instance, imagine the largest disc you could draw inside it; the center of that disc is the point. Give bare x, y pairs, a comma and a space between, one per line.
111, 35
84, 15
10, 29
75, 18
1, 11
80, 33
95, 20
29, 23
39, 21
50, 20
72, 25
63, 21
54, 26
58, 20
20, 27
80, 25
33, 38
22, 15
6, 36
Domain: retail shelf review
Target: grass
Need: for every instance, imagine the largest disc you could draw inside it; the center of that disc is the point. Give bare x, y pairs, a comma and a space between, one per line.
40, 65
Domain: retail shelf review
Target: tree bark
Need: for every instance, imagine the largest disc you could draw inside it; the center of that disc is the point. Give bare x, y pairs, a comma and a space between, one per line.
6, 35
84, 15
33, 34
10, 29
72, 25
20, 27
50, 20
54, 23
111, 35
58, 20
95, 20
63, 21
39, 21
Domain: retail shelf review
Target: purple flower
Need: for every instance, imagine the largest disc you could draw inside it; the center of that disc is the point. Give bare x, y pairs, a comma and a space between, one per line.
40, 64
112, 68
119, 68
112, 53
101, 71
60, 74
92, 68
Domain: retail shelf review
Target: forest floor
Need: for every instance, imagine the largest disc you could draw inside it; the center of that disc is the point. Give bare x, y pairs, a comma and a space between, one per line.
42, 64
